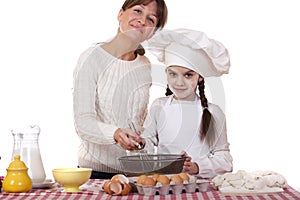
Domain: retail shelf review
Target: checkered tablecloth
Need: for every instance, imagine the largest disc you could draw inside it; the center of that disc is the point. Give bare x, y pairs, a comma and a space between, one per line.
93, 190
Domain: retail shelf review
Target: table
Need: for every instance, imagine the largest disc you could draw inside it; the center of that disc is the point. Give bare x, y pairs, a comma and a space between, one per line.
92, 190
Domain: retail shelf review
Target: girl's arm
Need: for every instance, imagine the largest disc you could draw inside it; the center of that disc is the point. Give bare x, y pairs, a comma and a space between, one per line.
218, 160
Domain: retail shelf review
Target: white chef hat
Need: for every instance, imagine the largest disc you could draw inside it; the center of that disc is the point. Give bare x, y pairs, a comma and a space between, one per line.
191, 49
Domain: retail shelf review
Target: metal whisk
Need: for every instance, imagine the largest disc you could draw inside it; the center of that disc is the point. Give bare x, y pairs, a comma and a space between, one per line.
138, 145
142, 153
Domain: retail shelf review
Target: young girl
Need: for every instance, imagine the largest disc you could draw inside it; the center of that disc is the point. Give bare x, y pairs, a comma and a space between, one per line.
184, 121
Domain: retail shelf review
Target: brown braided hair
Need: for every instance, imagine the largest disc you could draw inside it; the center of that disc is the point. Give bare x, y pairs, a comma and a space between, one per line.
206, 119
206, 116
168, 91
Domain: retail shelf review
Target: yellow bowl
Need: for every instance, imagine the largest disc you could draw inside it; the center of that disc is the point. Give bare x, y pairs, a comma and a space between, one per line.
71, 178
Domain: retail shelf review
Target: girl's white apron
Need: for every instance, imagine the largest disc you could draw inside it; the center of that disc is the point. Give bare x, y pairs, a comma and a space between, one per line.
178, 128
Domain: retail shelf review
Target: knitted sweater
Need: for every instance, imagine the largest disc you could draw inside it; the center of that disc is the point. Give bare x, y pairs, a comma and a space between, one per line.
108, 92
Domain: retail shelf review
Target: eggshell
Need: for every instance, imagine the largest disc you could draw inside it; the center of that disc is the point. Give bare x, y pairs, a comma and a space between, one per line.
120, 178
185, 177
112, 188
106, 187
126, 188
163, 179
149, 181
176, 179
117, 185
155, 176
116, 188
141, 179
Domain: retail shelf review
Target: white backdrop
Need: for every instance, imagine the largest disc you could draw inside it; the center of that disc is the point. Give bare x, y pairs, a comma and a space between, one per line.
40, 42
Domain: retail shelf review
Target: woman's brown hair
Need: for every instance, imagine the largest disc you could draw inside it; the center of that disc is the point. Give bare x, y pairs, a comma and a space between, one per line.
161, 14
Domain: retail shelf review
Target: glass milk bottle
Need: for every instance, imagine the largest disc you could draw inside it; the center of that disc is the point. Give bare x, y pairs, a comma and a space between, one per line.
30, 153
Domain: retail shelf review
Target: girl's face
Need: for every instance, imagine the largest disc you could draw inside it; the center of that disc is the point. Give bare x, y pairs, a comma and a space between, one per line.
139, 22
183, 82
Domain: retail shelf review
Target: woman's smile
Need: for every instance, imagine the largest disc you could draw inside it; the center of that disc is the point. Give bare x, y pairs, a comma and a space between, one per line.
138, 28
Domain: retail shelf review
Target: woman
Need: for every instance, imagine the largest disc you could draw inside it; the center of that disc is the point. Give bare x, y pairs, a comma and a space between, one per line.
111, 88
185, 121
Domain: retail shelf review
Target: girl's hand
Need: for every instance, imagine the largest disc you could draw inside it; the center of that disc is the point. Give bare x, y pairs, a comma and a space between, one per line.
189, 166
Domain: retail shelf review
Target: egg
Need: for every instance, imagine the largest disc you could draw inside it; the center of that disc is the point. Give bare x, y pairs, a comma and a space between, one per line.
116, 188
117, 185
149, 181
120, 178
126, 188
106, 187
112, 188
185, 177
155, 176
141, 179
163, 179
176, 179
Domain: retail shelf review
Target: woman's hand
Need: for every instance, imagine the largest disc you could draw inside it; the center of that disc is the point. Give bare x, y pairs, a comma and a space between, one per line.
189, 166
128, 139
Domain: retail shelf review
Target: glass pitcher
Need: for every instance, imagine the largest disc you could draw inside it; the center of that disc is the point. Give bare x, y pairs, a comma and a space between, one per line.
26, 144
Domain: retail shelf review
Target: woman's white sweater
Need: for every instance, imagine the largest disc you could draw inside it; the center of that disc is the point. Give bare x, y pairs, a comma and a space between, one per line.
108, 92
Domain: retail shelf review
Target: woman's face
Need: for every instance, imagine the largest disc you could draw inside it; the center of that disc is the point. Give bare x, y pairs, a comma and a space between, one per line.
183, 82
139, 21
